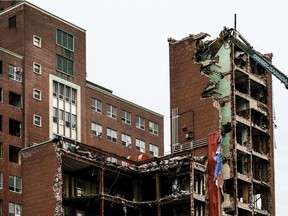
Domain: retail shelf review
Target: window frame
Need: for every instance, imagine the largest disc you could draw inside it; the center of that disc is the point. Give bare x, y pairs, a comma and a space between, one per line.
139, 123
15, 205
140, 145
152, 148
1, 180
61, 44
35, 117
68, 72
96, 105
126, 117
126, 140
37, 66
14, 74
34, 95
37, 41
98, 129
111, 111
153, 128
13, 187
112, 135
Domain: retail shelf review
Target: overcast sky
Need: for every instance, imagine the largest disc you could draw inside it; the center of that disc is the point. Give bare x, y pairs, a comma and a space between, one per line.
127, 50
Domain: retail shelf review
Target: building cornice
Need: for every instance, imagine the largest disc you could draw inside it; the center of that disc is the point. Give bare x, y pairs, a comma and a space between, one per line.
43, 11
11, 53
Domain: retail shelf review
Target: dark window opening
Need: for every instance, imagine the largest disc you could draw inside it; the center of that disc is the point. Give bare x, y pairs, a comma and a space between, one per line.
243, 163
241, 82
242, 134
14, 128
15, 99
259, 119
12, 22
1, 67
258, 92
1, 123
242, 107
14, 154
260, 141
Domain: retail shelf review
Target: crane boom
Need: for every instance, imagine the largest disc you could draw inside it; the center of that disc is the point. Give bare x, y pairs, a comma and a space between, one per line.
232, 34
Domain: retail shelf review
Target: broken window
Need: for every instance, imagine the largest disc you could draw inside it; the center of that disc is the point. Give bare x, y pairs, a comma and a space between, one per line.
242, 107
241, 82
258, 92
240, 58
243, 163
260, 169
256, 68
260, 141
14, 154
259, 119
14, 127
261, 197
15, 99
243, 191
242, 134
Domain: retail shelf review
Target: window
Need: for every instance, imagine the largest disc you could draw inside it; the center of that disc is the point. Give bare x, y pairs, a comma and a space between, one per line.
126, 140
36, 68
64, 65
140, 145
111, 111
1, 122
1, 67
96, 129
1, 94
15, 99
153, 128
112, 160
64, 40
74, 96
14, 128
153, 150
15, 184
80, 188
37, 120
15, 73
37, 94
14, 154
55, 115
1, 150
111, 135
96, 105
14, 209
140, 122
1, 181
12, 22
36, 41
126, 117
74, 121
67, 119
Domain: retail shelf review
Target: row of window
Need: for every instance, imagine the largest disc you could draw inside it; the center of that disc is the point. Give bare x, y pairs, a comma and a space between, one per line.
111, 111
126, 139
15, 183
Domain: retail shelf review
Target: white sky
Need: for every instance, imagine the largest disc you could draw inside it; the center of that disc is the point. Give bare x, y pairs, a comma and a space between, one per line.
127, 49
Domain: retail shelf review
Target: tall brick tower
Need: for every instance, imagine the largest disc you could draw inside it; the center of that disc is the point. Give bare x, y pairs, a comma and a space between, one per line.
217, 88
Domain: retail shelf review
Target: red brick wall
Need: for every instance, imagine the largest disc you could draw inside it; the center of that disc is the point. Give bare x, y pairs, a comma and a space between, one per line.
39, 168
186, 86
121, 127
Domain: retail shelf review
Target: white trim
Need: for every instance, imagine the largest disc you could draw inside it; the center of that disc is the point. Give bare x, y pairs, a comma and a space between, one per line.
40, 120
40, 68
11, 53
39, 99
38, 39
